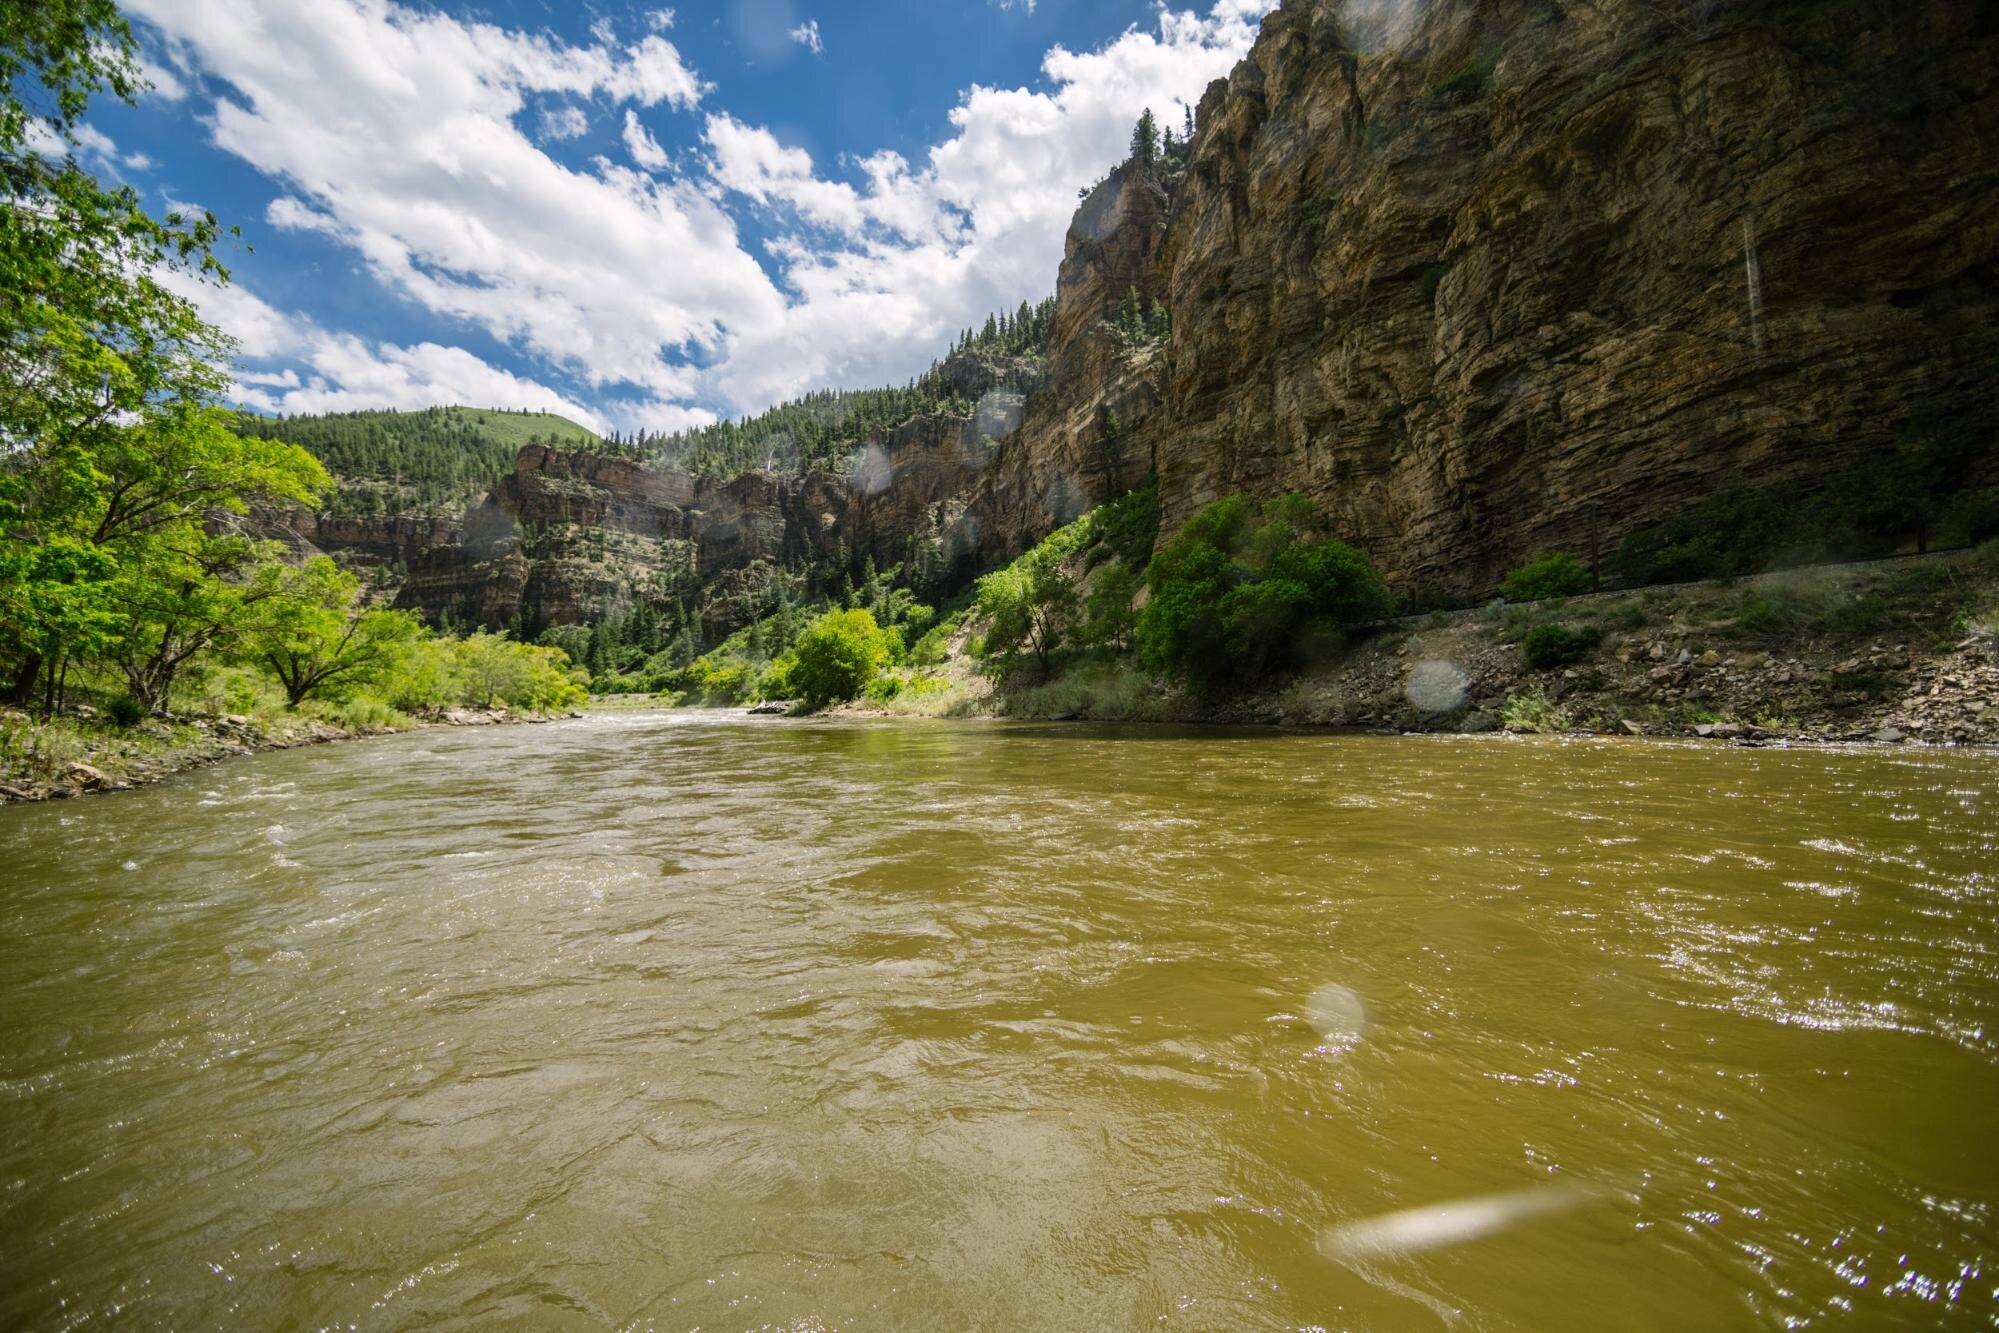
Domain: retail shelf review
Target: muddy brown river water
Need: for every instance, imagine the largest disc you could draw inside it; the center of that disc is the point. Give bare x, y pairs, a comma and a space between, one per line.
679, 1020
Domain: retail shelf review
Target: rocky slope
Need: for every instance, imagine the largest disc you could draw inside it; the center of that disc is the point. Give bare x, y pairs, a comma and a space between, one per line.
1503, 277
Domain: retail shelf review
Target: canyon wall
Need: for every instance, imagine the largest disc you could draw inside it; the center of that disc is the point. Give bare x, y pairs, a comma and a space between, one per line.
1503, 277
1531, 275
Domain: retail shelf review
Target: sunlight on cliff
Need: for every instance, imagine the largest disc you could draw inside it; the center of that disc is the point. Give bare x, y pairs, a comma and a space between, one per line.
998, 413
1380, 25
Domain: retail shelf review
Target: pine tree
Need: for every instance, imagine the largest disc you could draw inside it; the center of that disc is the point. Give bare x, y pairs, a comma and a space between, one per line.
1129, 321
1145, 139
1107, 450
1188, 136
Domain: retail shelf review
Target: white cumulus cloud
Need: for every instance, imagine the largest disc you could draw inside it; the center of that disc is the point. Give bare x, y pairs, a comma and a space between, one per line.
807, 35
409, 136
339, 372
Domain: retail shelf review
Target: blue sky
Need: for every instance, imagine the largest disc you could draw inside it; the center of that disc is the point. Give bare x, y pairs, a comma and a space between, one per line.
643, 217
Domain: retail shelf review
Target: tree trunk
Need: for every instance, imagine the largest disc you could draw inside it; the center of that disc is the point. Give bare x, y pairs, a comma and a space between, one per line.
22, 689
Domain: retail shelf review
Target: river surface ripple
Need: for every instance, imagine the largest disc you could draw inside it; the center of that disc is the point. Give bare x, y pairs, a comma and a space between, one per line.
677, 1020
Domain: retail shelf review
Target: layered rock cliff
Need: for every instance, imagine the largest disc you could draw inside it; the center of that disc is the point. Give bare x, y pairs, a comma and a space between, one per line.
1531, 275
1484, 278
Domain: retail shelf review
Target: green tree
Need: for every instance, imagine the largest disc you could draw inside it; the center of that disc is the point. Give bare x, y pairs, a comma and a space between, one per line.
316, 636
1106, 452
1028, 601
1110, 619
112, 455
492, 669
1130, 318
1237, 593
1145, 139
177, 595
836, 657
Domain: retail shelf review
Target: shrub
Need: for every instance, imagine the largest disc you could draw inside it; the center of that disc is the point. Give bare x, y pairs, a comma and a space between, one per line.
1557, 575
1557, 645
1532, 711
1911, 494
1804, 606
125, 710
1972, 518
1235, 594
1127, 528
935, 645
835, 658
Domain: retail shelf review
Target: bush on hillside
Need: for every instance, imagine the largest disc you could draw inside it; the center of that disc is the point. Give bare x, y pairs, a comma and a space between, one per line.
1557, 575
1237, 594
1557, 645
1029, 602
1126, 528
834, 659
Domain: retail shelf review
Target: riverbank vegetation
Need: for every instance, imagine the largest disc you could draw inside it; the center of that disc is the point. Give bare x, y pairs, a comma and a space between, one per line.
129, 596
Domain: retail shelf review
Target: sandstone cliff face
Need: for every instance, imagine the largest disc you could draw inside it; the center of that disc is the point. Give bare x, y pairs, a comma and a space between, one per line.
1509, 277
1541, 274
369, 540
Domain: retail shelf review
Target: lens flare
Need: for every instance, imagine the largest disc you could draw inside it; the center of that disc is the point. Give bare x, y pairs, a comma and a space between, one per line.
1437, 687
872, 472
1416, 1230
1337, 1014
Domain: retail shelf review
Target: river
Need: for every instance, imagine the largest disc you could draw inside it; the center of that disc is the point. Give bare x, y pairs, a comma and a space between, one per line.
675, 1020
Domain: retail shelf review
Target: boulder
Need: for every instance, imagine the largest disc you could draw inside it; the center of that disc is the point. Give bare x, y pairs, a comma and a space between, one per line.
86, 777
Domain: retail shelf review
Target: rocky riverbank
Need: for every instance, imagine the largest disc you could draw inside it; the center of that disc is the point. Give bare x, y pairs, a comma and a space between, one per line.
1899, 650
83, 754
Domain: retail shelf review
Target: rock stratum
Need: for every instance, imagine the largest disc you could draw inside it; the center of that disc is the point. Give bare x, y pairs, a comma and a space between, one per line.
1484, 278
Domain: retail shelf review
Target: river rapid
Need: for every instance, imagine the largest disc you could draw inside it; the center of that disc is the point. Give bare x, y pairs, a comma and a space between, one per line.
675, 1020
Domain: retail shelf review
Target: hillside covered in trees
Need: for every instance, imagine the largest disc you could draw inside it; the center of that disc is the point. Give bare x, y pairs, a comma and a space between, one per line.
390, 461
818, 431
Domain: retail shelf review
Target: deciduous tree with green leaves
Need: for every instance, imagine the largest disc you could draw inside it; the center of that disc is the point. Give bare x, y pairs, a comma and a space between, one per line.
113, 455
317, 636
